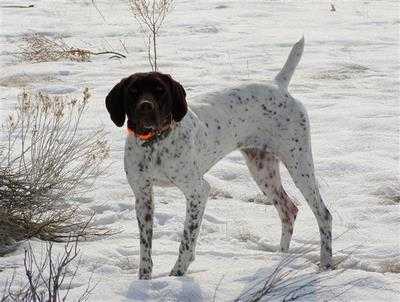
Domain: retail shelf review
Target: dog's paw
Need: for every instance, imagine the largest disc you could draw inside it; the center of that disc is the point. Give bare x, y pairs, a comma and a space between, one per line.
177, 273
182, 263
179, 269
144, 274
326, 267
145, 277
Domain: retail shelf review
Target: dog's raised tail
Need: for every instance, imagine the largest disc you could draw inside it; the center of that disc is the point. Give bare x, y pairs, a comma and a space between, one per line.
282, 79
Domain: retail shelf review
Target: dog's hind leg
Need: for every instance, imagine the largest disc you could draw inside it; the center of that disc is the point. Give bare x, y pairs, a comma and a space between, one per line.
297, 156
264, 168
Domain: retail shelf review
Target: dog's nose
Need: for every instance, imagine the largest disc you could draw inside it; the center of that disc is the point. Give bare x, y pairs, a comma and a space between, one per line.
145, 107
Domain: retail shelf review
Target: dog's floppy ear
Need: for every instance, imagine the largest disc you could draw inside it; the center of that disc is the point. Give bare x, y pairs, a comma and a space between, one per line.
178, 95
115, 104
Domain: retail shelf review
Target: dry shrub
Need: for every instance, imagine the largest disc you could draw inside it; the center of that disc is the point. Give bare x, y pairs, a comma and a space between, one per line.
39, 48
48, 279
45, 160
150, 15
390, 193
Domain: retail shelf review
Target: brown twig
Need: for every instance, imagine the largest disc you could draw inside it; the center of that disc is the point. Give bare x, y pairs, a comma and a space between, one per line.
150, 15
18, 6
98, 10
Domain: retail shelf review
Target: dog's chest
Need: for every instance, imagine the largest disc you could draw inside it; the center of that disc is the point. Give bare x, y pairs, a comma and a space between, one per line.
158, 162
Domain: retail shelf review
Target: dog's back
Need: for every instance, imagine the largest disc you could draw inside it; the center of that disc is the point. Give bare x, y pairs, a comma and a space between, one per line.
238, 117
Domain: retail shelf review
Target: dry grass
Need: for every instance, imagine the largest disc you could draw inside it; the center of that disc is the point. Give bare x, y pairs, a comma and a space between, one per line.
287, 284
390, 266
45, 161
40, 48
48, 279
244, 234
390, 193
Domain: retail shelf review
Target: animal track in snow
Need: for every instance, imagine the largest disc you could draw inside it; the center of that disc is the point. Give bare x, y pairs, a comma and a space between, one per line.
217, 193
212, 219
101, 208
163, 218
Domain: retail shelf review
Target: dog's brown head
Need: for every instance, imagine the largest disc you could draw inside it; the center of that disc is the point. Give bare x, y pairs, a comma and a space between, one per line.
150, 101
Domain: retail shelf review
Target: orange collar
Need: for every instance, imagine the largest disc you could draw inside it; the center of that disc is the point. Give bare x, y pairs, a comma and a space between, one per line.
151, 134
144, 137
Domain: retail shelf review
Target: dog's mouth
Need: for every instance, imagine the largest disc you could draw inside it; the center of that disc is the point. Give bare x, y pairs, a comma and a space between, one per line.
148, 131
140, 129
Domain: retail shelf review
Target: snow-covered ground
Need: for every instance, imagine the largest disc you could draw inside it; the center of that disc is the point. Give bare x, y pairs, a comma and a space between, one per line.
349, 81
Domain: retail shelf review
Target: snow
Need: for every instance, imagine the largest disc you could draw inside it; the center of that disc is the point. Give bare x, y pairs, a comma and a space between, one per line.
348, 79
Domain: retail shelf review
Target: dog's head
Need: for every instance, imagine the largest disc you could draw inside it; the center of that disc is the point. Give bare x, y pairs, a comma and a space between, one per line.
150, 101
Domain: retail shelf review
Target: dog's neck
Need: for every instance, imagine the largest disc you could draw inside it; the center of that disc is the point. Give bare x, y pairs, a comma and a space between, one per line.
155, 135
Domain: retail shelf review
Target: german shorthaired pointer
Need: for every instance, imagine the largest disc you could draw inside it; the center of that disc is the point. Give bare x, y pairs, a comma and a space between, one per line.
169, 144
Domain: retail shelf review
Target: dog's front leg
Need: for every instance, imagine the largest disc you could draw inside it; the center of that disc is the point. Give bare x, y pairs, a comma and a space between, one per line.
196, 194
144, 212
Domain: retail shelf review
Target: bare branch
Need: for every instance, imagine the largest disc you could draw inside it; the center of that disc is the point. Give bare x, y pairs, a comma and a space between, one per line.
46, 278
150, 15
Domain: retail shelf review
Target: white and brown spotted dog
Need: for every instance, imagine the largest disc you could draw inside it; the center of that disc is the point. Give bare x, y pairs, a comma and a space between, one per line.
171, 144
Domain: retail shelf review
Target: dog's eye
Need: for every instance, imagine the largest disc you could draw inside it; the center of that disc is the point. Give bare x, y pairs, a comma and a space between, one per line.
133, 90
159, 89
